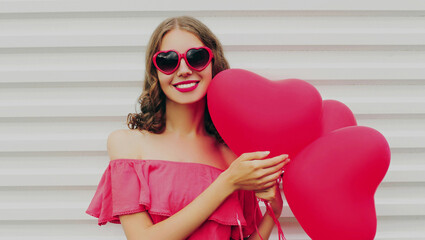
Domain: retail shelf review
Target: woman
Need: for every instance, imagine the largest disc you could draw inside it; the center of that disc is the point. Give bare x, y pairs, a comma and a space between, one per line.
171, 176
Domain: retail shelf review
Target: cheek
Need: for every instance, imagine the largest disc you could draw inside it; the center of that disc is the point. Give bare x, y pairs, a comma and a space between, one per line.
207, 74
164, 80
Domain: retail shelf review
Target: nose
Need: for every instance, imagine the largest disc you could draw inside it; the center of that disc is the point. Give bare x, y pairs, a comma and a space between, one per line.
183, 69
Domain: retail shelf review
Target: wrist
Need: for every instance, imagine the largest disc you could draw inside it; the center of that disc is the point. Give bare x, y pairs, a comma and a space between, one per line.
276, 213
227, 184
277, 207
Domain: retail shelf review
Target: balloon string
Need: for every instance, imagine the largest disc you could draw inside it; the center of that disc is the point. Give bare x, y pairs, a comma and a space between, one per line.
240, 226
271, 213
255, 219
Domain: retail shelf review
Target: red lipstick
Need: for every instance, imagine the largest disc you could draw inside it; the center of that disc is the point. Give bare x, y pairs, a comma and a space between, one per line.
186, 86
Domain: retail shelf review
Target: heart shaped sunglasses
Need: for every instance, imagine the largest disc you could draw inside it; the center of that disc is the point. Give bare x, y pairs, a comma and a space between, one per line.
196, 58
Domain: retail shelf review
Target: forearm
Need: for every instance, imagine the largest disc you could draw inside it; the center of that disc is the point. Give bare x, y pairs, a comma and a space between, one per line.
265, 228
183, 223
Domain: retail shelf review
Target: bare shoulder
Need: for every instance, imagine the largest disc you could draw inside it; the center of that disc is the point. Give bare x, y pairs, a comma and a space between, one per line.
227, 154
124, 143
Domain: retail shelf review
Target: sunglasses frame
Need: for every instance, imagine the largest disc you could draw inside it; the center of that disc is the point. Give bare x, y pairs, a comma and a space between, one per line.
183, 55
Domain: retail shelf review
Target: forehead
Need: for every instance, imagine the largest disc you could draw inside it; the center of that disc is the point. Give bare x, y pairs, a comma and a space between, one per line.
180, 40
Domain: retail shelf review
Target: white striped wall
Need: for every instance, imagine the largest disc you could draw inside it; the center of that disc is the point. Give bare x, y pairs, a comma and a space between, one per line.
70, 71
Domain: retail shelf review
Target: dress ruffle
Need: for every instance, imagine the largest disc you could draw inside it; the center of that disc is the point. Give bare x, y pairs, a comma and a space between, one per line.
162, 188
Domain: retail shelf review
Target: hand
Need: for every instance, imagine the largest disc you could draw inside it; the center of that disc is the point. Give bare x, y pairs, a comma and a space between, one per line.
252, 171
274, 197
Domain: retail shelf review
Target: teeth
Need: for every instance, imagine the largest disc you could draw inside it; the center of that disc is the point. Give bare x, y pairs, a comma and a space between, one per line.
188, 85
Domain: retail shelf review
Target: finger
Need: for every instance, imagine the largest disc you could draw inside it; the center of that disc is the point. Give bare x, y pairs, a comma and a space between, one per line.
268, 198
254, 155
270, 178
262, 173
270, 192
270, 188
270, 162
275, 168
262, 176
266, 186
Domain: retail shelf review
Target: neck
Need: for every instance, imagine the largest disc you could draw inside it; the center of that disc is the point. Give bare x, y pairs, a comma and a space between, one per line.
185, 120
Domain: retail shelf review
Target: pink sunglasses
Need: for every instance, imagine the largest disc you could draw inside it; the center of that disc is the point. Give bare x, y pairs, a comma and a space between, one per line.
196, 58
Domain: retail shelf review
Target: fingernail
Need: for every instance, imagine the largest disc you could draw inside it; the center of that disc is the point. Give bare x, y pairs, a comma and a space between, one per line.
266, 152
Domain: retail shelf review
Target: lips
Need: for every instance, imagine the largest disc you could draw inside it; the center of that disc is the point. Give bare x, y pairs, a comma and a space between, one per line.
185, 82
186, 86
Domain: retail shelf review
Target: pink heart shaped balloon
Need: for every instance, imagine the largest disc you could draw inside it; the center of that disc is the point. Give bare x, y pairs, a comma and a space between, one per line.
330, 184
252, 113
336, 115
335, 168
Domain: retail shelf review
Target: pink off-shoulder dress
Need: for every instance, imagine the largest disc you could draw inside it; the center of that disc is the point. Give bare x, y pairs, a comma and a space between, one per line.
162, 188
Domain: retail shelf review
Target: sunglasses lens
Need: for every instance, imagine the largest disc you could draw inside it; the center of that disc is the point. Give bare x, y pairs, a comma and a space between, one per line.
198, 58
167, 61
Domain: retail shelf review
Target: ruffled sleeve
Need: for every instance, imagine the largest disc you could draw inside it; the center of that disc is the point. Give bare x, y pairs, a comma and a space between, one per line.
251, 213
121, 190
162, 188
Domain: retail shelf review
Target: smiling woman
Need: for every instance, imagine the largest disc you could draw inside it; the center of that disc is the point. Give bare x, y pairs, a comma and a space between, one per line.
171, 176
152, 99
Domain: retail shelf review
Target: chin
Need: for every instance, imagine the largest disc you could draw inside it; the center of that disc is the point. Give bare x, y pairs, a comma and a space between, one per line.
188, 99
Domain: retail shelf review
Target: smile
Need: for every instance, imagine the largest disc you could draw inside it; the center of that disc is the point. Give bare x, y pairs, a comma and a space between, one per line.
186, 86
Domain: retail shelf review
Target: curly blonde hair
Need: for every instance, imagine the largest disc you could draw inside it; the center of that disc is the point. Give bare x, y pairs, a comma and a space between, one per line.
152, 99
